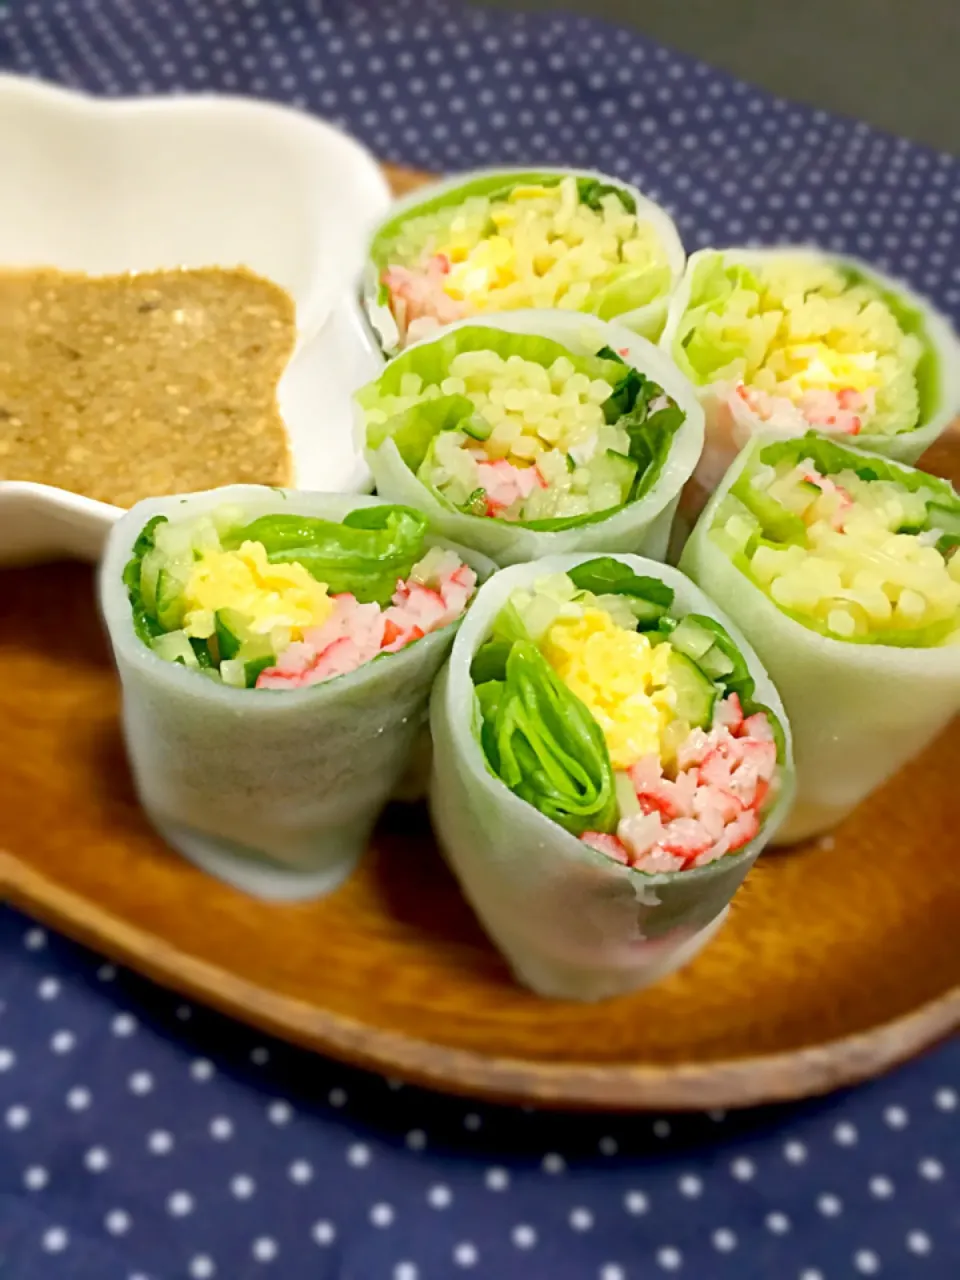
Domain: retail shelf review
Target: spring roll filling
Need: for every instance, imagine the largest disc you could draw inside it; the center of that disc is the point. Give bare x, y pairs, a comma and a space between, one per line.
798, 344
572, 243
845, 546
289, 601
636, 732
518, 428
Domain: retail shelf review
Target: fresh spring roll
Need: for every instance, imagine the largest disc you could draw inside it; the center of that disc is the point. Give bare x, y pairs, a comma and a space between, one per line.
789, 340
276, 652
609, 760
535, 433
840, 567
508, 239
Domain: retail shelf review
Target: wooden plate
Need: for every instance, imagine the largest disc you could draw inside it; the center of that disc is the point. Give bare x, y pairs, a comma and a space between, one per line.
838, 959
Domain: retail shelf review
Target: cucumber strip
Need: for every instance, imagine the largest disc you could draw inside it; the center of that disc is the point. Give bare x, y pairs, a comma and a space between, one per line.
253, 668
716, 663
170, 605
476, 427
173, 646
691, 639
228, 635
202, 653
777, 522
696, 694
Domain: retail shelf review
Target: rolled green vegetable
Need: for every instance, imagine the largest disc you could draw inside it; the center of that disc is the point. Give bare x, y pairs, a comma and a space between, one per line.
535, 433
276, 651
609, 760
782, 341
511, 239
840, 568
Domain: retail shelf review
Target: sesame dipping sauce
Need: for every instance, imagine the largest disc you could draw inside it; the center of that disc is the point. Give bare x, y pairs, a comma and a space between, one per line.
124, 387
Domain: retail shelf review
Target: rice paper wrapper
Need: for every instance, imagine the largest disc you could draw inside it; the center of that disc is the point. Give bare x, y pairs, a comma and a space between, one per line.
642, 526
647, 320
572, 923
274, 792
729, 427
858, 711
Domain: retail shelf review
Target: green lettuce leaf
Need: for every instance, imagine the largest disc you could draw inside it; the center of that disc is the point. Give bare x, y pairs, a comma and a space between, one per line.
606, 576
592, 193
625, 394
365, 554
414, 430
627, 288
651, 434
544, 744
432, 361
651, 439
913, 322
704, 357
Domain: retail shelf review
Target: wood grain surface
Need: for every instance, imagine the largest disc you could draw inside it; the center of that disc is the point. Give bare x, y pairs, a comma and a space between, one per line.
839, 959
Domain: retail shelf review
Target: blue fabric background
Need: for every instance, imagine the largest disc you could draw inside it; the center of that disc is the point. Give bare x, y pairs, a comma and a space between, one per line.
141, 1137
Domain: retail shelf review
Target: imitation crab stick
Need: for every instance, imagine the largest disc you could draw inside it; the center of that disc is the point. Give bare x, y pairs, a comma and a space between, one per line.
610, 759
534, 432
505, 240
783, 341
276, 652
841, 569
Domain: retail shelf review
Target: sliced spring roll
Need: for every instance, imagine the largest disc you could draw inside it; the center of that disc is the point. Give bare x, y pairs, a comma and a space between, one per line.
787, 340
508, 239
276, 652
609, 760
840, 567
535, 433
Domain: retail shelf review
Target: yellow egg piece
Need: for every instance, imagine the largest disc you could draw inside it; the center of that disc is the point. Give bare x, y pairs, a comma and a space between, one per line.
619, 676
815, 366
531, 192
489, 266
266, 595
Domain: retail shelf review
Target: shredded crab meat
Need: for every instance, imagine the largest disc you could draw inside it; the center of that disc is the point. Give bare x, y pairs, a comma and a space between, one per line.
840, 412
420, 303
709, 807
436, 594
505, 484
537, 246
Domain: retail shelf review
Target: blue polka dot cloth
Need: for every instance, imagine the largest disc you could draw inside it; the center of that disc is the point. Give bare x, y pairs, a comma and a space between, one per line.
144, 1138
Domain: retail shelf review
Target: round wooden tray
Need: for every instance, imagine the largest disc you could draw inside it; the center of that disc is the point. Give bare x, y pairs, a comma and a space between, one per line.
838, 960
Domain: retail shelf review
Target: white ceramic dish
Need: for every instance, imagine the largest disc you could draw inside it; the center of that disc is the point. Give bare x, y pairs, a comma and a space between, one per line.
140, 184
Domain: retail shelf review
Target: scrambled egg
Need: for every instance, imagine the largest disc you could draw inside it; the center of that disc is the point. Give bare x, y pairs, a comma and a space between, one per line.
492, 264
620, 676
811, 366
267, 595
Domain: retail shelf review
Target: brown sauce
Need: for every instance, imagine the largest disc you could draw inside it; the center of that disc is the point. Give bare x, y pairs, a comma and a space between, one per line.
130, 386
